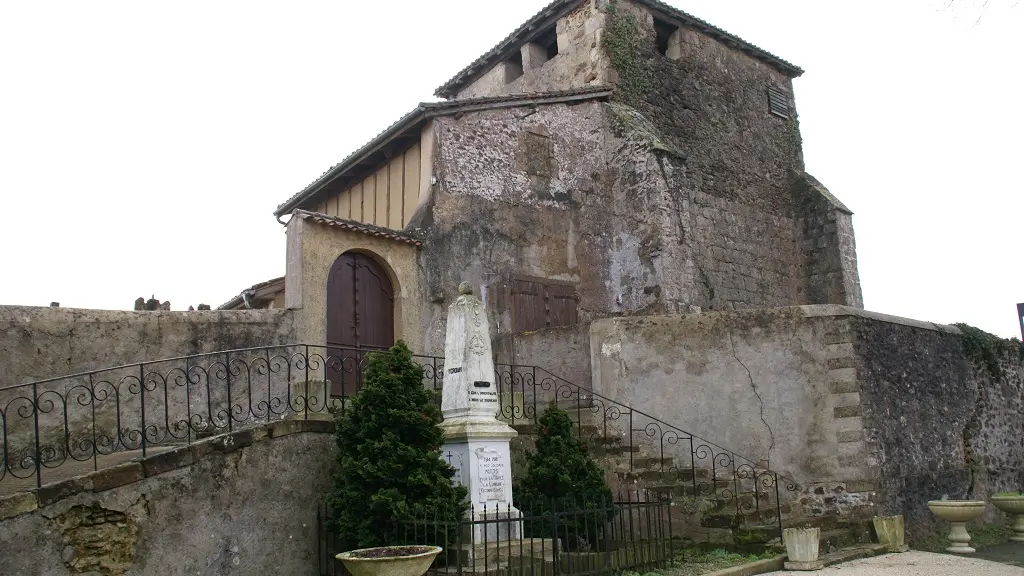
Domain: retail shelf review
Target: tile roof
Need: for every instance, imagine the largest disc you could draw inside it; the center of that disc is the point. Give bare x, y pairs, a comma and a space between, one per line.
239, 299
558, 8
354, 226
427, 110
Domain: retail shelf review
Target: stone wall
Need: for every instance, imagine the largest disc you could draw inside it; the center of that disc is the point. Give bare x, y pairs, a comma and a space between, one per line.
995, 433
40, 343
917, 395
758, 383
761, 236
245, 503
563, 352
519, 191
861, 409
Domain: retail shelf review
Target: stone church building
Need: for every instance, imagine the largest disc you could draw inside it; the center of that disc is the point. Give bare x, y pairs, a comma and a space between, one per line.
605, 159
624, 185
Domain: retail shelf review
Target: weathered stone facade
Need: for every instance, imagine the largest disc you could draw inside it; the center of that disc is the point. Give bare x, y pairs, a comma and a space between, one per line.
680, 189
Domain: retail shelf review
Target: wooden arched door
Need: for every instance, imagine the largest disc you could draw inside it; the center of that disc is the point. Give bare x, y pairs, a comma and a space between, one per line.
360, 318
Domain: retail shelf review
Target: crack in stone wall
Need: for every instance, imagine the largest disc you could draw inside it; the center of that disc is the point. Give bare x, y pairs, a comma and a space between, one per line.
760, 401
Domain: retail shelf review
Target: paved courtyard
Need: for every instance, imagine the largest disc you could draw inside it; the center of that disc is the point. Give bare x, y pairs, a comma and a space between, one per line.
924, 564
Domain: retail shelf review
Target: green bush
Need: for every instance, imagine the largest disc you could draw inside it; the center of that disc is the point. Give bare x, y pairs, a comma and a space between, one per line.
390, 469
563, 480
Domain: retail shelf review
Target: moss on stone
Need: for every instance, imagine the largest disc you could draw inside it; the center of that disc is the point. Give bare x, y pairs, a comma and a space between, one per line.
988, 351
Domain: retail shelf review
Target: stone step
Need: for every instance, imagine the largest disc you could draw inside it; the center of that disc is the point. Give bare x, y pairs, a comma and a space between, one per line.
652, 463
684, 476
687, 489
613, 449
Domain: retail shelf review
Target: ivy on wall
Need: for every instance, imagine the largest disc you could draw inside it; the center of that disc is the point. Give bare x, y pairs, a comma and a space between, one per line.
623, 43
989, 352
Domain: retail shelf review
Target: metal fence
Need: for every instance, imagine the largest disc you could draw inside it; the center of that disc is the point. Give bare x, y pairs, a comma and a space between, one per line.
632, 533
74, 424
62, 427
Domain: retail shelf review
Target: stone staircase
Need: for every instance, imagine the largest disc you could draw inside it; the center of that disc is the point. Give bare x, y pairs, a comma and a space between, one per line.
718, 499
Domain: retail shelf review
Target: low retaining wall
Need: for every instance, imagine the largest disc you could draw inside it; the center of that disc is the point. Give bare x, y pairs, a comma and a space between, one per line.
40, 343
243, 503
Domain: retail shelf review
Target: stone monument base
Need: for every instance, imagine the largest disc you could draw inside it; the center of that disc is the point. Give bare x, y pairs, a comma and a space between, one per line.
486, 558
493, 525
479, 451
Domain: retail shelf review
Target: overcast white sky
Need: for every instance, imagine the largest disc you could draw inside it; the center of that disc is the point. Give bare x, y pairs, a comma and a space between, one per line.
144, 145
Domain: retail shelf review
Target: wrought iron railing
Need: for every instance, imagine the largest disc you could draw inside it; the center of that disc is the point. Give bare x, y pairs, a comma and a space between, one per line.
728, 489
632, 533
89, 420
61, 427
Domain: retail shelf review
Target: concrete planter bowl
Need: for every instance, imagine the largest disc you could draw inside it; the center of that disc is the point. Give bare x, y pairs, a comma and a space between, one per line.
958, 513
891, 533
390, 560
1013, 506
802, 548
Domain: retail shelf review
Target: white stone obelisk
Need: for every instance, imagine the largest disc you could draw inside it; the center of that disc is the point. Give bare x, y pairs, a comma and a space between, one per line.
476, 442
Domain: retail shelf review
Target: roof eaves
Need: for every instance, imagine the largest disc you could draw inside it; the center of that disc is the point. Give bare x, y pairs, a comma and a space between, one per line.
360, 227
731, 40
353, 159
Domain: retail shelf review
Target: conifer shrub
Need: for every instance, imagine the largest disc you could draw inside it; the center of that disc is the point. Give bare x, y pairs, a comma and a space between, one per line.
390, 471
562, 481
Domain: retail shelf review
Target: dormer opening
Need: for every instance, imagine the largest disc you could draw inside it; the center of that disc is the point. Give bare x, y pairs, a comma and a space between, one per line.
664, 31
513, 68
549, 41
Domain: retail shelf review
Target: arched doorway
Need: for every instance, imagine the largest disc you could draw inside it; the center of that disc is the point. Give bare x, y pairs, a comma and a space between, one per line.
360, 318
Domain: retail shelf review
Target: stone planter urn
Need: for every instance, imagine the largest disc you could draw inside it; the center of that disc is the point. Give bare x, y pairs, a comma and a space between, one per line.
802, 548
390, 560
1013, 506
958, 513
891, 533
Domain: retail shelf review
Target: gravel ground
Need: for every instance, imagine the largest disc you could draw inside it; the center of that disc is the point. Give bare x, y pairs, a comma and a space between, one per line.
916, 564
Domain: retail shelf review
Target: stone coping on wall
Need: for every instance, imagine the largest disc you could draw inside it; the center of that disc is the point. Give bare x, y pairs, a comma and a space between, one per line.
156, 464
819, 310
19, 312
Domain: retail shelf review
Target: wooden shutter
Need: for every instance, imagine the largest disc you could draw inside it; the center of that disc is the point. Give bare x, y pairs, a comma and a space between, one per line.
778, 102
537, 305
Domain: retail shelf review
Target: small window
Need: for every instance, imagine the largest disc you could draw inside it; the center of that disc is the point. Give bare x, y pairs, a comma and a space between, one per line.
778, 102
663, 32
513, 68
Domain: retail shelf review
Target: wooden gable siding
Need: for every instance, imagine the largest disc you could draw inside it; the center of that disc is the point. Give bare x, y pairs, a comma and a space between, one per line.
385, 198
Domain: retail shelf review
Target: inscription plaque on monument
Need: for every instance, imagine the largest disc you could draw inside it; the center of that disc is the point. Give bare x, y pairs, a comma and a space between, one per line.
490, 475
